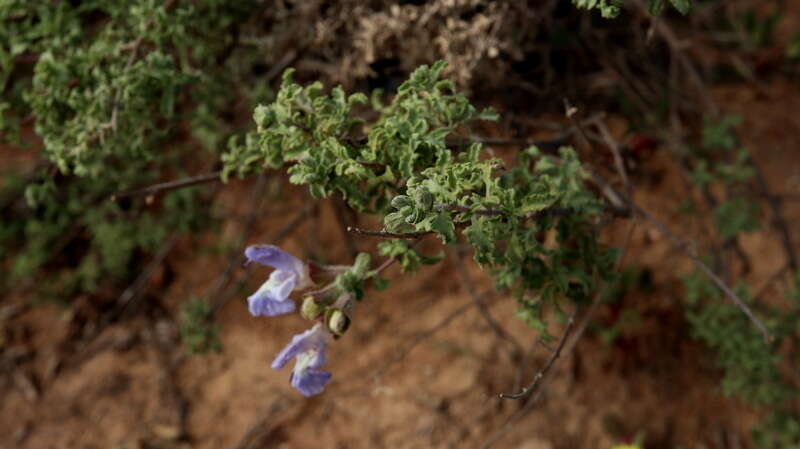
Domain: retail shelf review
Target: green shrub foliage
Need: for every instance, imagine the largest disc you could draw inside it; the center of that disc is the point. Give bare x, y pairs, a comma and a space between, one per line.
404, 168
108, 85
752, 366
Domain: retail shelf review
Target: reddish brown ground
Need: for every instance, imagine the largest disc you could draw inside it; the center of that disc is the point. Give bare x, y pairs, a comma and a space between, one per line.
131, 387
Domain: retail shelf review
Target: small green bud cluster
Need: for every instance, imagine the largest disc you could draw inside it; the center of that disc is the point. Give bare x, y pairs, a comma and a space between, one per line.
334, 305
336, 319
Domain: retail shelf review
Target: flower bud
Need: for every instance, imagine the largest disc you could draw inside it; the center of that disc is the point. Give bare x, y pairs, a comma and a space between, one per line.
337, 321
310, 310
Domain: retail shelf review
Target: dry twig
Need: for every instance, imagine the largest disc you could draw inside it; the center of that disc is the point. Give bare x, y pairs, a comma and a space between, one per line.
469, 286
538, 377
236, 253
169, 185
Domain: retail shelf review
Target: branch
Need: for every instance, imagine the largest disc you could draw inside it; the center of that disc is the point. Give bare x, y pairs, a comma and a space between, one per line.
677, 47
234, 256
546, 145
531, 401
388, 262
401, 354
538, 377
170, 185
552, 211
578, 334
339, 206
480, 304
779, 221
683, 245
388, 235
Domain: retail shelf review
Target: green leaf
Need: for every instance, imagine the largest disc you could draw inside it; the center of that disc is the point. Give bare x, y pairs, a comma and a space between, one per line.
443, 224
655, 6
380, 284
361, 264
683, 6
736, 216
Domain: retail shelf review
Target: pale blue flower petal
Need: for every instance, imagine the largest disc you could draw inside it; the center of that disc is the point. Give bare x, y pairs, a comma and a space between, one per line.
311, 382
269, 307
308, 350
272, 256
272, 298
313, 339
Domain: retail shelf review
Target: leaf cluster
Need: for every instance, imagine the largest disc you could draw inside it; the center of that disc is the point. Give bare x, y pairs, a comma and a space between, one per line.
610, 9
718, 163
107, 85
752, 366
71, 238
531, 224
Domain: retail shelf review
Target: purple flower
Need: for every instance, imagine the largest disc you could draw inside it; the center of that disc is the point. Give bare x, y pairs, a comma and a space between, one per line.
272, 298
309, 350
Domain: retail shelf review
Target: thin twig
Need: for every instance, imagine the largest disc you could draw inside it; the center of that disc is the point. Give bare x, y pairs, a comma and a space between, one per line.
538, 377
389, 262
547, 145
236, 254
552, 211
282, 408
388, 235
618, 161
685, 247
570, 111
779, 221
480, 304
170, 185
677, 47
682, 244
292, 225
125, 300
339, 207
129, 296
421, 337
531, 401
